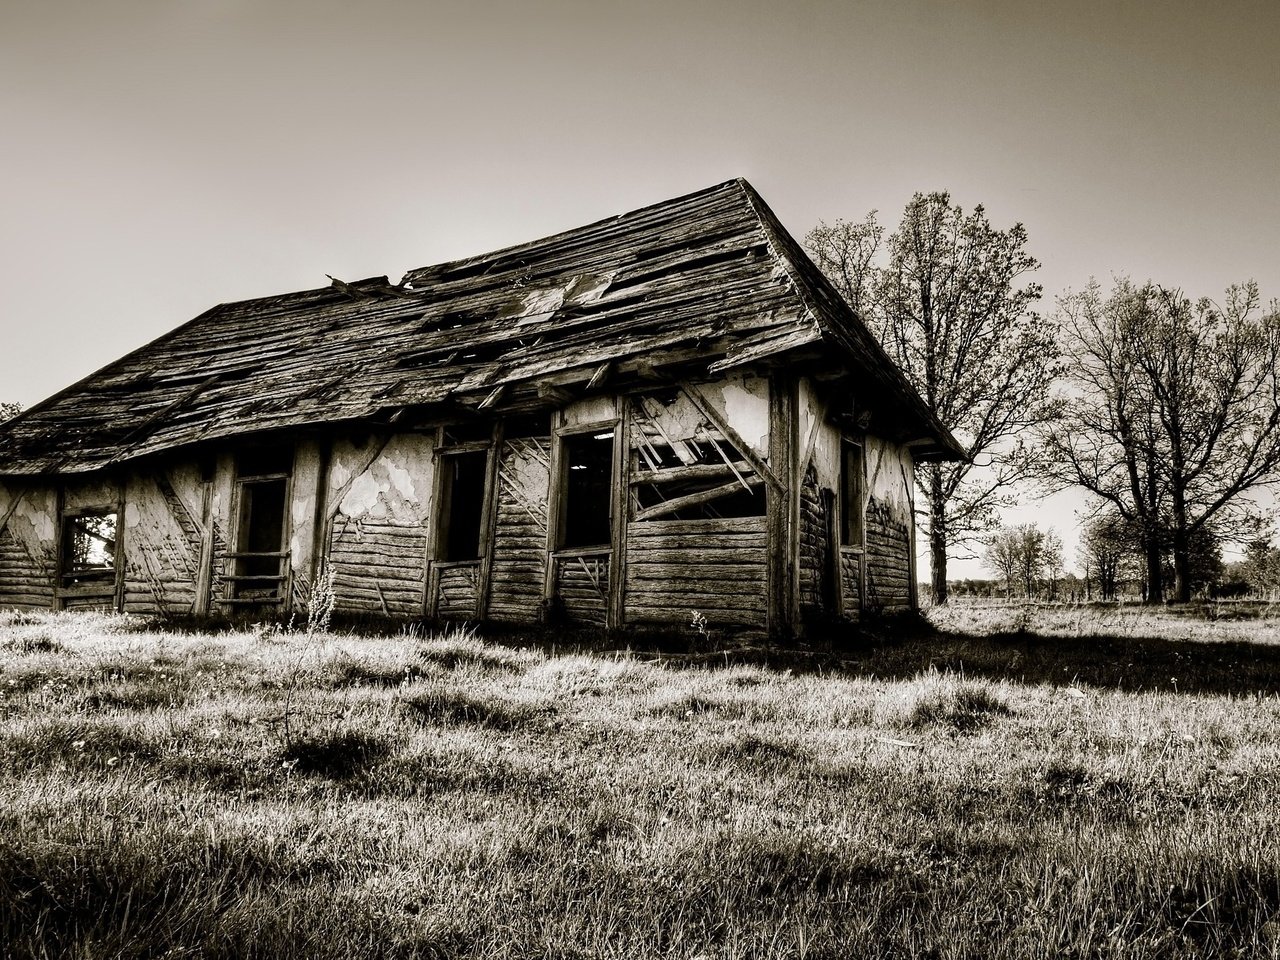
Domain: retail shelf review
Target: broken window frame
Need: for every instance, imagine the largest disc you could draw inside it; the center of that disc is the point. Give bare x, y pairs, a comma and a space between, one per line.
247, 584
853, 494
482, 454
105, 578
565, 438
712, 487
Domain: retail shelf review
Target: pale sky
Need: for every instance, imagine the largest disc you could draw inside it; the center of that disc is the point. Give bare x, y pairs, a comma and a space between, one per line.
162, 157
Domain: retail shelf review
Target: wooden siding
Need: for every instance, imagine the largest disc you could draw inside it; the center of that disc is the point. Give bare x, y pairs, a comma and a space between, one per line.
888, 557
518, 573
162, 546
714, 567
582, 587
455, 588
851, 580
378, 567
815, 549
26, 582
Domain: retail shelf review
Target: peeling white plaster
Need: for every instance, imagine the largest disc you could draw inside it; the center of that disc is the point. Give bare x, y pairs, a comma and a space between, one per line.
402, 480
889, 473
746, 407
362, 498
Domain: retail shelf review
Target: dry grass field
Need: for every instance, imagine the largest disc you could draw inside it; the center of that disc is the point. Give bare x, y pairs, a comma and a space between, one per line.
980, 792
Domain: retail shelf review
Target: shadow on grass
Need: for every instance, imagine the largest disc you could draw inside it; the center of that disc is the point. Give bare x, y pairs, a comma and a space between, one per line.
900, 651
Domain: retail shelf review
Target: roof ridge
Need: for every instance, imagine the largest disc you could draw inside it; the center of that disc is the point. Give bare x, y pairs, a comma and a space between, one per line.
500, 252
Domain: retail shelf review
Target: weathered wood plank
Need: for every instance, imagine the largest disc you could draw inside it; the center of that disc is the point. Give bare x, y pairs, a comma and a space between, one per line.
718, 527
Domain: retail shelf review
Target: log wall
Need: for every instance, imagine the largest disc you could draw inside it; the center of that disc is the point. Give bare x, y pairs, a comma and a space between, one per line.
163, 540
378, 504
816, 562
889, 525
820, 467
714, 567
517, 576
851, 580
28, 524
582, 588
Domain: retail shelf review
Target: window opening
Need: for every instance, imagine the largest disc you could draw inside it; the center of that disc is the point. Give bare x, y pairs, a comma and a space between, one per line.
588, 490
700, 470
462, 505
262, 486
852, 494
89, 547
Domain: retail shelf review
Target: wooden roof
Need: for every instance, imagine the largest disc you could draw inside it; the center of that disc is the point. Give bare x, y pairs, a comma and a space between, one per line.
711, 276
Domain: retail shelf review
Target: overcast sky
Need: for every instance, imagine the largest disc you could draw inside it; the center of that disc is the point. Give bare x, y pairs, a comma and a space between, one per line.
163, 157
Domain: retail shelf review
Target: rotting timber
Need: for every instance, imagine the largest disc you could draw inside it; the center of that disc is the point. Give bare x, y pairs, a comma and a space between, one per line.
664, 412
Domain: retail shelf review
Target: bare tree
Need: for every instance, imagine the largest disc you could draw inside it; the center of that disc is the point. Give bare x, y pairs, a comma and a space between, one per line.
1002, 556
1024, 554
1104, 545
947, 297
1030, 541
8, 410
1052, 562
1174, 413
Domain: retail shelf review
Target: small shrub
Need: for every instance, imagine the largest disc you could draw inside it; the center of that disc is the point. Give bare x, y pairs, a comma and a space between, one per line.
947, 701
321, 599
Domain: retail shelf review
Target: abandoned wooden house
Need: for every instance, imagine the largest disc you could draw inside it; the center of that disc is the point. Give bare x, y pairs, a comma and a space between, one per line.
667, 412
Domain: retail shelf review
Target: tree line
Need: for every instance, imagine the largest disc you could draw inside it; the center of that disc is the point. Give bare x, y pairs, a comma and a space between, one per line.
1165, 410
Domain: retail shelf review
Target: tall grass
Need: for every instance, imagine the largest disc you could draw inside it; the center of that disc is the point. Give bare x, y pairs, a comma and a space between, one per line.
440, 797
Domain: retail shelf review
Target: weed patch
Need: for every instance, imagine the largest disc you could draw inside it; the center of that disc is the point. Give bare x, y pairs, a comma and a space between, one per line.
444, 705
338, 756
941, 700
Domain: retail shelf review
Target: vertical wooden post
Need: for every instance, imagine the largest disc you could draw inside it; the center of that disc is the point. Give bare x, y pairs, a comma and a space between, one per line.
912, 563
430, 594
59, 507
864, 494
489, 520
782, 507
621, 507
555, 499
305, 497
221, 511
204, 572
120, 544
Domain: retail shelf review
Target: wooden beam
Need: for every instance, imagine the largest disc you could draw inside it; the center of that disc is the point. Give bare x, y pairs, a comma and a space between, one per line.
59, 561
696, 471
783, 506
13, 507
121, 536
619, 507
494, 396
693, 499
720, 423
600, 375
811, 441
551, 391
489, 520
555, 493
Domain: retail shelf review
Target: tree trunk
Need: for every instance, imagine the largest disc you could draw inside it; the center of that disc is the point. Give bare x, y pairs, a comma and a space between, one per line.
1181, 547
1155, 568
937, 536
1181, 569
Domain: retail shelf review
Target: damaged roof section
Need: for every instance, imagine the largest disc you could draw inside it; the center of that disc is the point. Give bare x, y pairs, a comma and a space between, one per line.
711, 278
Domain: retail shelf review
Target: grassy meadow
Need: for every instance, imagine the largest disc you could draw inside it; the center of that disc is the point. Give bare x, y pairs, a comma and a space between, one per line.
990, 790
